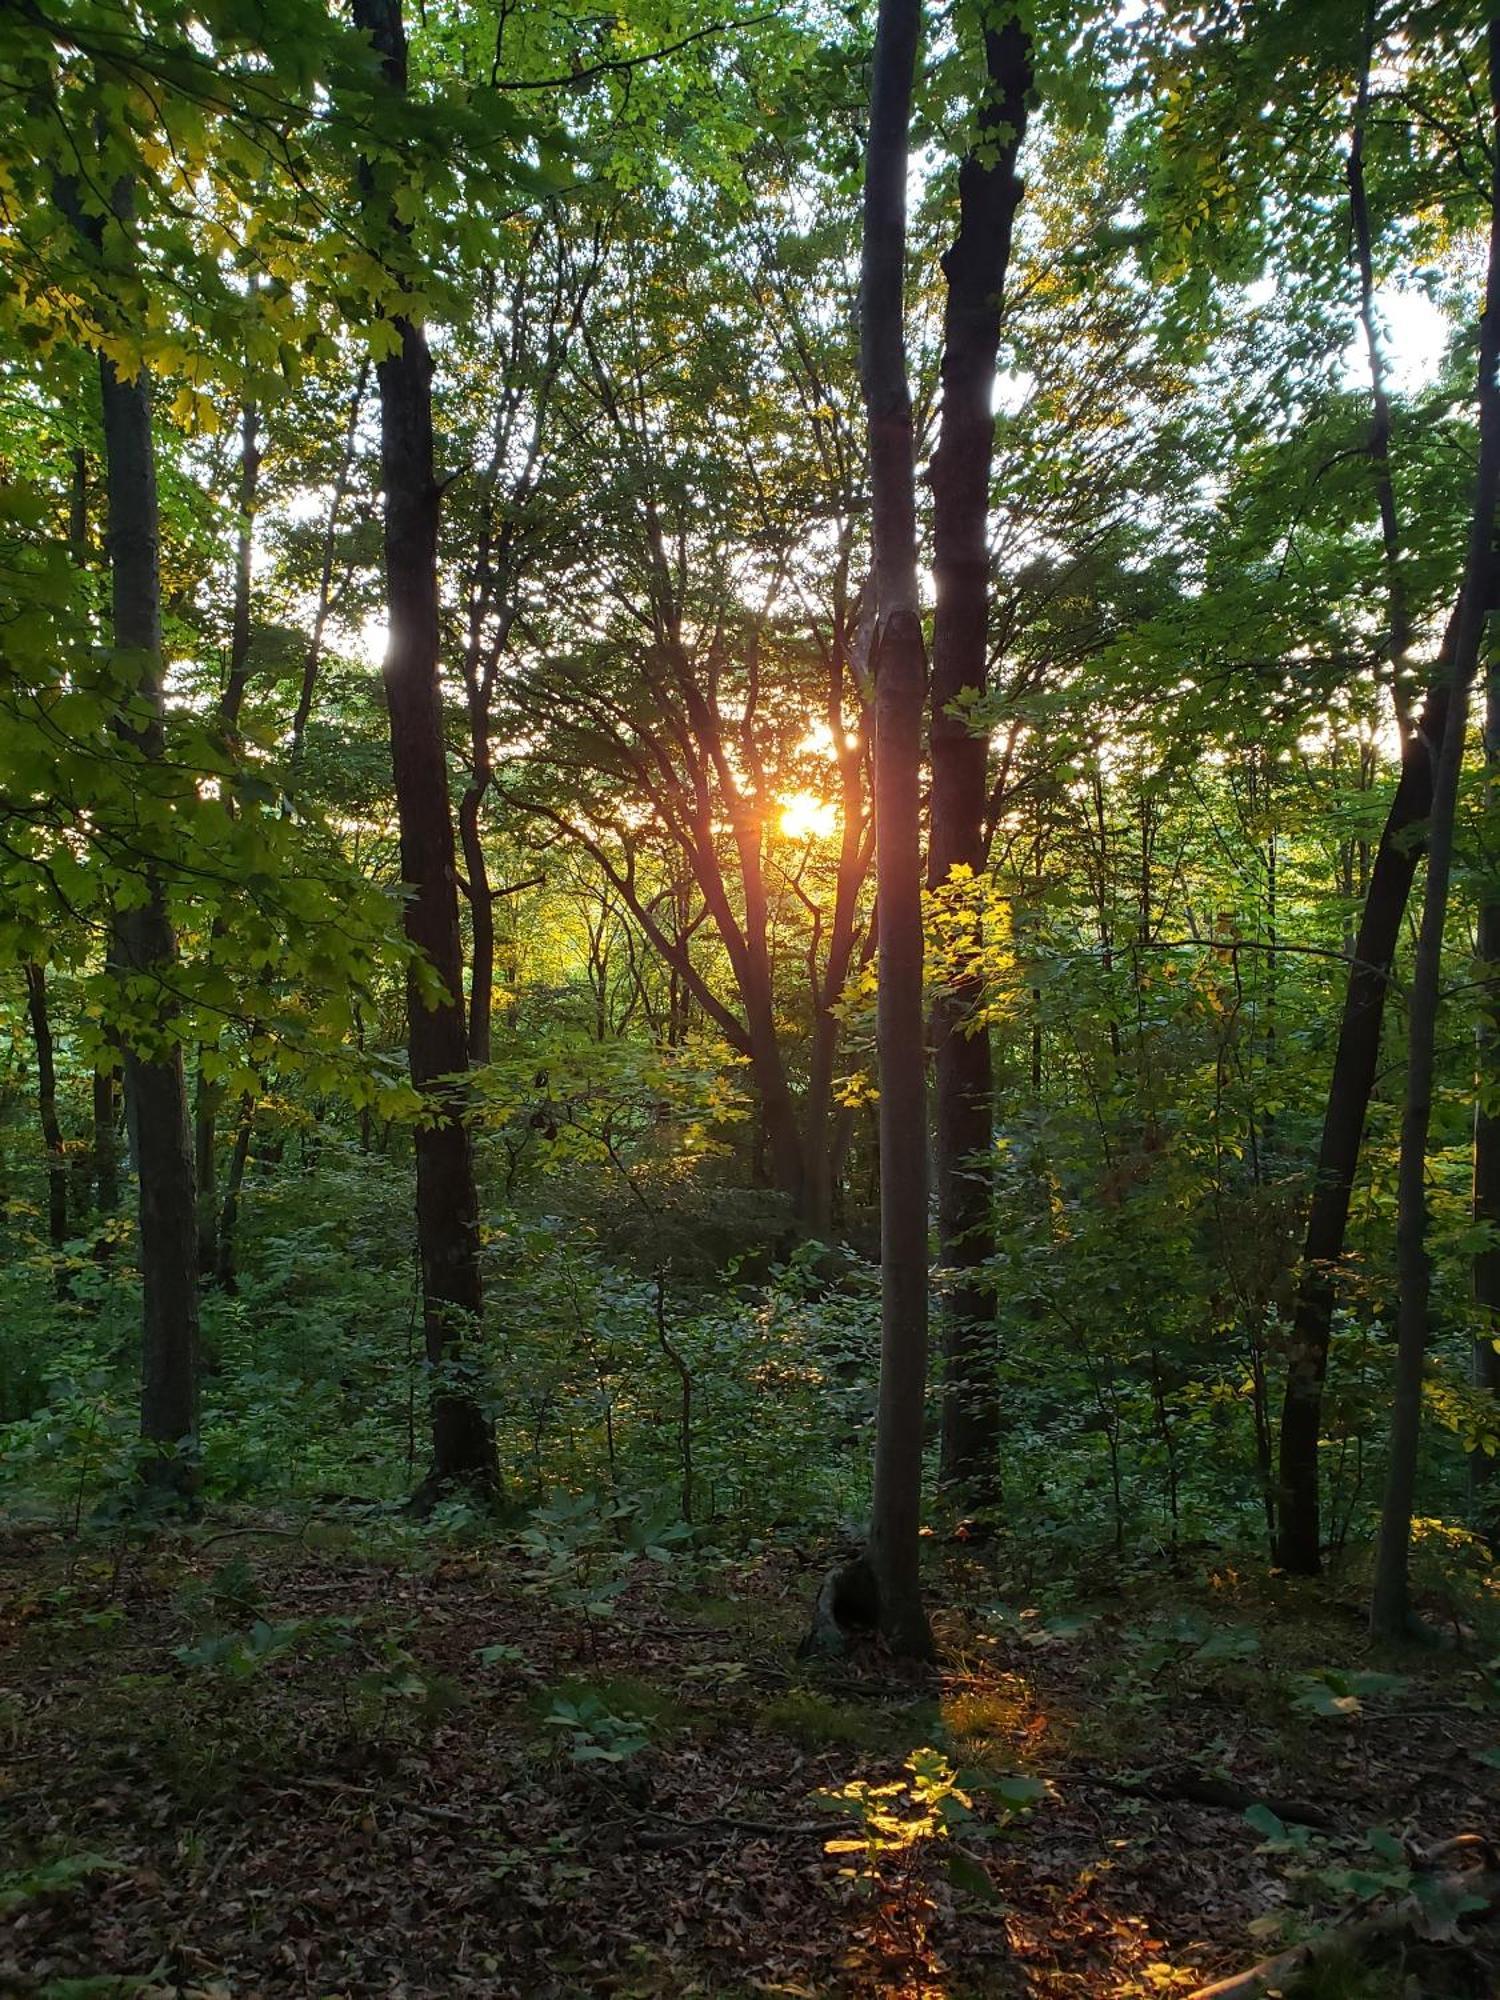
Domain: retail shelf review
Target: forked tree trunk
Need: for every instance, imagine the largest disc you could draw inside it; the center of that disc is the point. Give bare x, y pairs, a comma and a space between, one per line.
975, 267
1356, 1057
1298, 1539
463, 1445
900, 672
1390, 1607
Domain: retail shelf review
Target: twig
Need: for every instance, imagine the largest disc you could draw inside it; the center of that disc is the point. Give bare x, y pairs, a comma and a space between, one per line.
680, 1832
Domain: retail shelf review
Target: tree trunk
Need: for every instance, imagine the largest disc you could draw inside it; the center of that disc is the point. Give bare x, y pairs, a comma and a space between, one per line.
447, 1202
145, 947
1298, 1537
237, 680
975, 268
313, 657
900, 672
1390, 1608
207, 1096
46, 1092
1486, 1105
105, 1144
1356, 1055
205, 1172
481, 909
226, 1269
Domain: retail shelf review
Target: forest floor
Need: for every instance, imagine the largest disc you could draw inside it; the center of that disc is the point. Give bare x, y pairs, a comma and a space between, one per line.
306, 1760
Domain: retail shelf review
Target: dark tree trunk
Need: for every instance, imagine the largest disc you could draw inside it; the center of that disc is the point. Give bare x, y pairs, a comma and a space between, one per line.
46, 1092
1298, 1536
238, 677
1487, 1108
1390, 1607
900, 673
226, 1269
447, 1202
205, 1173
1356, 1056
106, 1148
481, 914
145, 946
975, 268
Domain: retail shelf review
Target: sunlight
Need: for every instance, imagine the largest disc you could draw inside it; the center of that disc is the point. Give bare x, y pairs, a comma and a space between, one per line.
805, 816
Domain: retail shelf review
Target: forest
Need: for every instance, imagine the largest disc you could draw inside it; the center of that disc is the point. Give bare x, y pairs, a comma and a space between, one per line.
749, 999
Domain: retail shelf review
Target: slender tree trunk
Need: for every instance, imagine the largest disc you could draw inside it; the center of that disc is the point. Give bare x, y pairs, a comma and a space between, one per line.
1486, 1369
481, 913
1390, 1608
820, 1162
238, 678
102, 1159
106, 1148
1299, 1534
145, 947
207, 1096
757, 991
226, 1269
205, 1172
900, 673
1356, 1056
975, 268
313, 658
1398, 638
46, 1092
447, 1201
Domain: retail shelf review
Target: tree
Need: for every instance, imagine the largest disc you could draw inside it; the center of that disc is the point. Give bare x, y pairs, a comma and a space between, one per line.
463, 1446
975, 267
144, 945
1390, 1606
719, 673
900, 669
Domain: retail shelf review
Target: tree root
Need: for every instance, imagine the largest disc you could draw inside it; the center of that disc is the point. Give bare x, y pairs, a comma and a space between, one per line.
848, 1608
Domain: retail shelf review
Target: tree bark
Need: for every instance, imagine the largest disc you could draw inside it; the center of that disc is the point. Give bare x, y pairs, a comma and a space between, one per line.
1486, 1362
145, 948
900, 673
1390, 1607
463, 1445
975, 268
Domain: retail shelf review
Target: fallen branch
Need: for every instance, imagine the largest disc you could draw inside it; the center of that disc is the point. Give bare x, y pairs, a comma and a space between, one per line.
1194, 1789
1468, 1893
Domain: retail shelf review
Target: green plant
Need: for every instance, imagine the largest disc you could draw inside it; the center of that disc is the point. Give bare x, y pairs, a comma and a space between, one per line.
897, 1824
594, 1734
51, 1878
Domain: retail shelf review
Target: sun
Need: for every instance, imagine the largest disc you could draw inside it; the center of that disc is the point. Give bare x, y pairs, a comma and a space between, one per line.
805, 816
